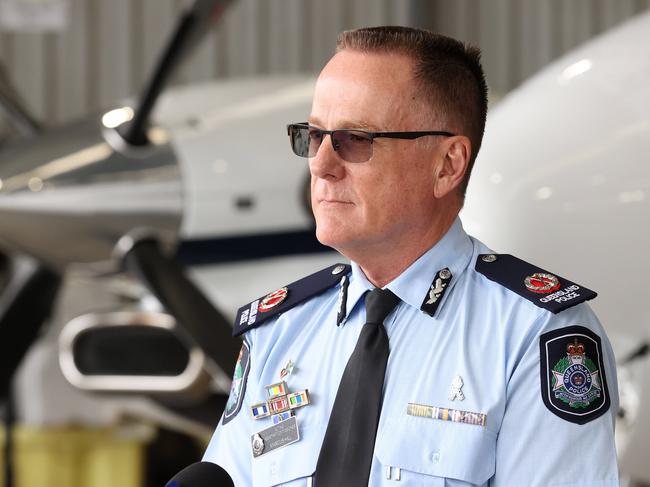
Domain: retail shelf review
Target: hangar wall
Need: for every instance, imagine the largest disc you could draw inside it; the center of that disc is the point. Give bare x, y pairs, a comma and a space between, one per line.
109, 46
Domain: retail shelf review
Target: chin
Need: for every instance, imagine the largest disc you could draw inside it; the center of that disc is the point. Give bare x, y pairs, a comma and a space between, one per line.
325, 237
331, 235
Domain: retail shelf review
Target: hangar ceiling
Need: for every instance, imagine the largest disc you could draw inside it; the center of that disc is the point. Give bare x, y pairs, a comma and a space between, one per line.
108, 47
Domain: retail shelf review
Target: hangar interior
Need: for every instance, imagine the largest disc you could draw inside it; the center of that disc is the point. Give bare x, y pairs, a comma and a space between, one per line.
106, 50
73, 201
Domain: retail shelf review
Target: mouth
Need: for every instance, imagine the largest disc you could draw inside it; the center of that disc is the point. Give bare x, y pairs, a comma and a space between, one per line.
332, 202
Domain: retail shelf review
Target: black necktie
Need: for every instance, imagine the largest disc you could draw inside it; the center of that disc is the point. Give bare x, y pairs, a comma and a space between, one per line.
346, 454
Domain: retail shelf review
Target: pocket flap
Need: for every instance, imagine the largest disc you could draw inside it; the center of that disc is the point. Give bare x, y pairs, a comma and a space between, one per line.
439, 448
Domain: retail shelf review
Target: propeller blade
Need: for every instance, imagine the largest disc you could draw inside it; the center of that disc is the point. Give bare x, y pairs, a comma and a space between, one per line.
192, 26
204, 325
25, 304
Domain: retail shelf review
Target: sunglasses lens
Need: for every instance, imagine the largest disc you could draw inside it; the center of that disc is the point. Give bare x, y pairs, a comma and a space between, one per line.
299, 137
315, 137
305, 141
352, 146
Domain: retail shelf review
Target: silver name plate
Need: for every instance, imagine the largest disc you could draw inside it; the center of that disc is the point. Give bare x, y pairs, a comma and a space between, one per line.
274, 437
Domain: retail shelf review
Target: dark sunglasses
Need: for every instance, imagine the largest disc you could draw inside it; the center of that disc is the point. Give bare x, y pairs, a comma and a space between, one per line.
351, 145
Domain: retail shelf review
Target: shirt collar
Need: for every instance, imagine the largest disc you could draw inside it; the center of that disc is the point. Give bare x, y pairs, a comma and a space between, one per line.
452, 251
359, 284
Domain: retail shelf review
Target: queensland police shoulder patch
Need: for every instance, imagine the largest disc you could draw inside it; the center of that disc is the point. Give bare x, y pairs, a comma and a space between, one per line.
574, 386
238, 386
538, 286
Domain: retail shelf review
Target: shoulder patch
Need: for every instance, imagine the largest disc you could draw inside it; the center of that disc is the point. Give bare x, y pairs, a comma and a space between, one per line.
257, 312
238, 385
544, 289
574, 386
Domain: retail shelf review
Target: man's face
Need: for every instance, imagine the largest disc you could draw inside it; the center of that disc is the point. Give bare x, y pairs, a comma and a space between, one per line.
373, 205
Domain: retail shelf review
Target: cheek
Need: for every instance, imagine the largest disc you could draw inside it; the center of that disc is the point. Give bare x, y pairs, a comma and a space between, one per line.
312, 191
384, 199
406, 195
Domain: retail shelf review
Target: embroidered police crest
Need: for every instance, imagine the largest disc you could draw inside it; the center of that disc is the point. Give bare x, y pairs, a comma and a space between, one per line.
238, 386
574, 386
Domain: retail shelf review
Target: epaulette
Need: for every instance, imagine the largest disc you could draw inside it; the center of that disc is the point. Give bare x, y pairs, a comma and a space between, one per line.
257, 312
546, 290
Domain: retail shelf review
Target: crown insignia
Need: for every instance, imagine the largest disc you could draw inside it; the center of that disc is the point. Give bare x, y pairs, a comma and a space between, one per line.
575, 348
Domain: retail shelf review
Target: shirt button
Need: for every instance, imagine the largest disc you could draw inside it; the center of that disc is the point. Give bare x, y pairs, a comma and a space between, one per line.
435, 457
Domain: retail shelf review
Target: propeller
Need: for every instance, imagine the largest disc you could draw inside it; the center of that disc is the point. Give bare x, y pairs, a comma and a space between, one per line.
194, 22
75, 186
25, 304
202, 323
69, 195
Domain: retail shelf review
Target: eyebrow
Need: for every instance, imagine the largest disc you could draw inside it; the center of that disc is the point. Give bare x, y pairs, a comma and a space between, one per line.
347, 124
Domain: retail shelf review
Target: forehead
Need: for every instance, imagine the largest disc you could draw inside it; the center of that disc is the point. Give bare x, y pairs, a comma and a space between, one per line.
372, 90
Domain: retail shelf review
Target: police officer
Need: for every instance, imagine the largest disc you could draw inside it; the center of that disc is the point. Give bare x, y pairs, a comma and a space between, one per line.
430, 360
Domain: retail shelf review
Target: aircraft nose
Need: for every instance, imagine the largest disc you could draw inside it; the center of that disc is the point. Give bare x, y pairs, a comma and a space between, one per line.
69, 196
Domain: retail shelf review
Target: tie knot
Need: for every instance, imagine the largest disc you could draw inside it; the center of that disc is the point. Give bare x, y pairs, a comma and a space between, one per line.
379, 303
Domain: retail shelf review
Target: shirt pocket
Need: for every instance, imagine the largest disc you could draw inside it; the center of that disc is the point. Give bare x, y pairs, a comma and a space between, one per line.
291, 465
435, 453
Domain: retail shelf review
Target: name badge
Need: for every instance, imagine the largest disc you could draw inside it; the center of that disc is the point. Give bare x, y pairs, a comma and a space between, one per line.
276, 436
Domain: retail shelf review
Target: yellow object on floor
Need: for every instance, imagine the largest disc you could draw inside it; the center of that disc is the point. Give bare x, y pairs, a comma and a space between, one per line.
77, 457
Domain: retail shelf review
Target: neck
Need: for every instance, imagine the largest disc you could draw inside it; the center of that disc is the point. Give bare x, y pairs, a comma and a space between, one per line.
387, 260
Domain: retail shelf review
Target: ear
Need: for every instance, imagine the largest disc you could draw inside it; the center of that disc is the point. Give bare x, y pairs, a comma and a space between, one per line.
455, 153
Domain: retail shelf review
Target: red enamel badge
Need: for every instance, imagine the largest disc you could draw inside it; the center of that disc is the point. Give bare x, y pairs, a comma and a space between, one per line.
272, 300
542, 282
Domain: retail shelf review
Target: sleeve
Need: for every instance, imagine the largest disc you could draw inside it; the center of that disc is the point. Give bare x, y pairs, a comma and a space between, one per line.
228, 447
561, 404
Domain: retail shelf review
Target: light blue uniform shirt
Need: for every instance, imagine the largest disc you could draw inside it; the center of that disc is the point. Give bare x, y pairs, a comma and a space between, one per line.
482, 332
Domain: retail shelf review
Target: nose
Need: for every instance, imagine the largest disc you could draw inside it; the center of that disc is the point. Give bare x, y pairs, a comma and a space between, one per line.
327, 164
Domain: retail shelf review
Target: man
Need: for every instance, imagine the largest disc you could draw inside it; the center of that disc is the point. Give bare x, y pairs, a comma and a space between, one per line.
468, 368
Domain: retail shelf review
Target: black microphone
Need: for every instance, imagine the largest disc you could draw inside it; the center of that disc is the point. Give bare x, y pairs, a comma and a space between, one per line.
201, 474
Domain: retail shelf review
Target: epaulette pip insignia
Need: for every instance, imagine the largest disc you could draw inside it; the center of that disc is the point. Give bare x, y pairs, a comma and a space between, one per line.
546, 290
257, 312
